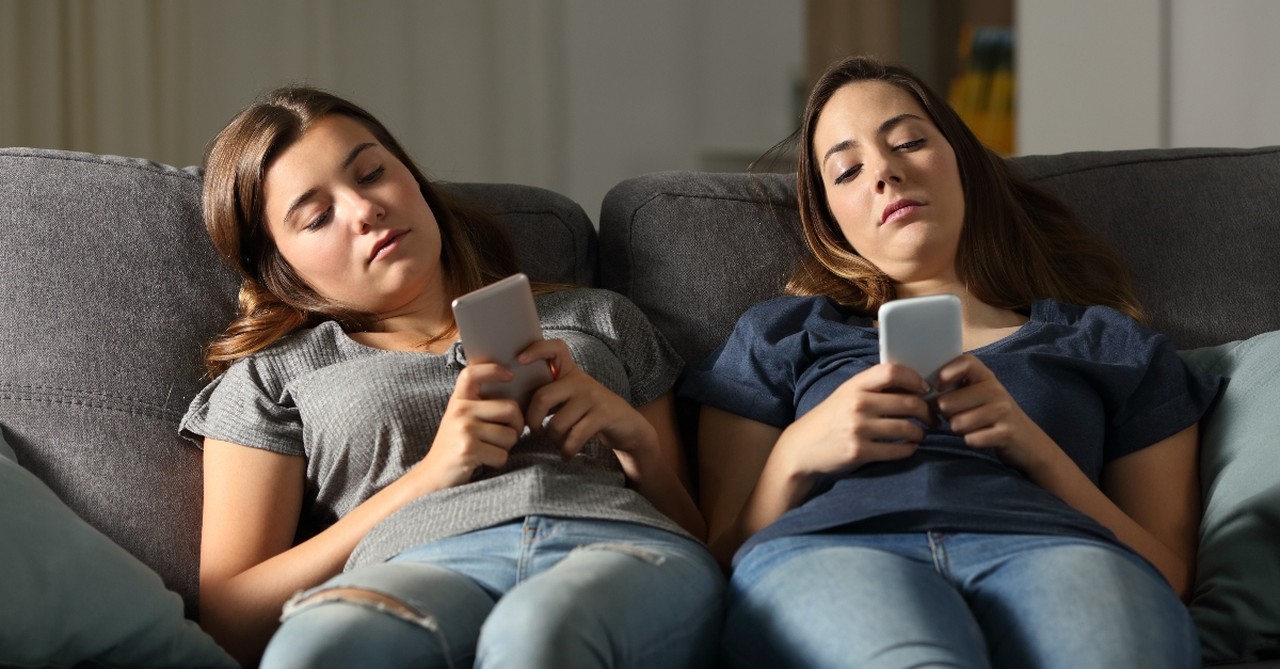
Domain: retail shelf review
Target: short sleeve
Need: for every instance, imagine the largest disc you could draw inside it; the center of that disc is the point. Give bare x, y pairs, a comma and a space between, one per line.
651, 362
754, 373
1149, 392
1166, 397
247, 405
631, 344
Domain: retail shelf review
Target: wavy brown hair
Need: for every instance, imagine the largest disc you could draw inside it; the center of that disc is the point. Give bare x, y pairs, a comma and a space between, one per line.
1019, 243
274, 300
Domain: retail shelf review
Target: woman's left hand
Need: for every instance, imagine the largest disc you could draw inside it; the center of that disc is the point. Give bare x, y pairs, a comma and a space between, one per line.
980, 409
581, 408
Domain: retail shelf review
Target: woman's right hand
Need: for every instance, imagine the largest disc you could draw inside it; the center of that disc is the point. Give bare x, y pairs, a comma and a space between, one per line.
752, 473
867, 419
473, 432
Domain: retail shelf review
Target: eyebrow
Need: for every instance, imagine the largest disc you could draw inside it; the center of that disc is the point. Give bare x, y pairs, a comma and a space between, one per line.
311, 192
889, 124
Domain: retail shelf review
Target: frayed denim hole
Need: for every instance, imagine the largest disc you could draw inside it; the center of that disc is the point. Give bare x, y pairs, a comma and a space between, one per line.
308, 599
305, 600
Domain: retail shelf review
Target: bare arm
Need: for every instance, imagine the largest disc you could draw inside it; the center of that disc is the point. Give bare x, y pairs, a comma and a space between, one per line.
1149, 499
732, 452
248, 565
253, 500
665, 480
752, 473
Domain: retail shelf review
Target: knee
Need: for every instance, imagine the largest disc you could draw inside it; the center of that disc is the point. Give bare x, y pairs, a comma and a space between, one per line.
351, 627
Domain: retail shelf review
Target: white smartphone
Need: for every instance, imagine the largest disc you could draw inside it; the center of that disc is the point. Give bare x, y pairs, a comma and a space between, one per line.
922, 333
496, 323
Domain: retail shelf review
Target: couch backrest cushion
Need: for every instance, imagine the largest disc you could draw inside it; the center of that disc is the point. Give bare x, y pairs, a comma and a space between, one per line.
695, 249
109, 290
1198, 227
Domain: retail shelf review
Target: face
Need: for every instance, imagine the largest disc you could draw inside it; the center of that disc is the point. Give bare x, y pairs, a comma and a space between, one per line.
351, 220
892, 181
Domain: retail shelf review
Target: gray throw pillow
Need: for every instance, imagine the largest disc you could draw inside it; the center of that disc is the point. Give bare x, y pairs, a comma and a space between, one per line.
1236, 601
71, 595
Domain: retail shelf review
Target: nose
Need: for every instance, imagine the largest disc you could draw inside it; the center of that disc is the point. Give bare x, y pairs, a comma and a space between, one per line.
365, 211
887, 172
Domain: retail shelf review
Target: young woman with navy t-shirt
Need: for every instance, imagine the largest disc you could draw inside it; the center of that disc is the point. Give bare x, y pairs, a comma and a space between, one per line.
1041, 512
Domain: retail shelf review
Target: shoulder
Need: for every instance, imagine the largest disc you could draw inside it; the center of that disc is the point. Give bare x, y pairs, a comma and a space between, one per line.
591, 309
294, 355
1088, 318
779, 317
1103, 332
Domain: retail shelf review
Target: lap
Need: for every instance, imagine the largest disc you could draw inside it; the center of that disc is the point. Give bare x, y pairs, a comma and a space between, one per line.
1030, 600
633, 589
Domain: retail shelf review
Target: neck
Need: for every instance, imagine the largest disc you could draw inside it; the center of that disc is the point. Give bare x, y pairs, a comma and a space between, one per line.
978, 316
425, 321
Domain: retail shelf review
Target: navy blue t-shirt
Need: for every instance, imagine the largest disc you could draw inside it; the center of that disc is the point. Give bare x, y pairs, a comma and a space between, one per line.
1101, 385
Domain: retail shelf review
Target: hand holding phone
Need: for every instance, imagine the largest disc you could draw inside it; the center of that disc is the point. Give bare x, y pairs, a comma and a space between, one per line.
496, 323
923, 333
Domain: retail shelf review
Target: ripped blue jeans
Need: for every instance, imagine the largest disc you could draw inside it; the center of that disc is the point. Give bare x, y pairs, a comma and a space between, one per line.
545, 592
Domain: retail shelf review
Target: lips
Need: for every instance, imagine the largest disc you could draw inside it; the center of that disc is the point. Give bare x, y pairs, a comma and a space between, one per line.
898, 210
386, 241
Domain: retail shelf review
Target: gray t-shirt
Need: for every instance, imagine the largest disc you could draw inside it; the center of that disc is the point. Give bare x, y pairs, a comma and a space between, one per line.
363, 416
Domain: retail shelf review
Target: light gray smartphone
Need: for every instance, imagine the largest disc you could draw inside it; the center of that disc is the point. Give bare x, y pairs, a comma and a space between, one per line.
922, 333
496, 323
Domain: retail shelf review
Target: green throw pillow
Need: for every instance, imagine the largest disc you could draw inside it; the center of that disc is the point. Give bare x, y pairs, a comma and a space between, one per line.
69, 595
1236, 602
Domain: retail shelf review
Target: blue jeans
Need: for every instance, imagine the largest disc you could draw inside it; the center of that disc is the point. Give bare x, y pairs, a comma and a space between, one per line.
952, 600
544, 592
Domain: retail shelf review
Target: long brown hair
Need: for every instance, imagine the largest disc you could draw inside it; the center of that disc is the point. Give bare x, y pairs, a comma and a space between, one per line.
274, 300
1019, 243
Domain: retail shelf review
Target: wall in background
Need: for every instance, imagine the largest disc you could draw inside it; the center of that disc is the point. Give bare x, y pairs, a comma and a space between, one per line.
572, 95
1097, 74
1223, 87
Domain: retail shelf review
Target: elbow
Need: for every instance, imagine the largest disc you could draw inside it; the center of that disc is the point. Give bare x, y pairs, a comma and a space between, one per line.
228, 630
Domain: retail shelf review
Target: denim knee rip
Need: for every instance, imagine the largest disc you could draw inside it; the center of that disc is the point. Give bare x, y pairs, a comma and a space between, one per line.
320, 596
651, 557
315, 597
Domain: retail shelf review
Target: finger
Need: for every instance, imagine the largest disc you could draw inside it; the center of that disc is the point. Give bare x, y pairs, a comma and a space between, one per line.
547, 400
491, 455
979, 418
565, 418
554, 351
496, 435
501, 410
893, 405
888, 377
474, 376
578, 435
884, 451
964, 370
895, 430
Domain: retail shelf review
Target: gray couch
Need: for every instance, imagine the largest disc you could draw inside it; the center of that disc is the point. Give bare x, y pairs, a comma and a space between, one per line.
109, 289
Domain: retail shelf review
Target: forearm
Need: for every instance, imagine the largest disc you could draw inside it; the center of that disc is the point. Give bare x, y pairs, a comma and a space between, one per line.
242, 610
1059, 475
779, 488
655, 479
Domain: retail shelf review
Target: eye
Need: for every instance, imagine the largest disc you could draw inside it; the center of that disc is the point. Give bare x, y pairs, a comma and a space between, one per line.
373, 176
907, 146
848, 174
319, 221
